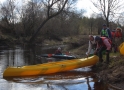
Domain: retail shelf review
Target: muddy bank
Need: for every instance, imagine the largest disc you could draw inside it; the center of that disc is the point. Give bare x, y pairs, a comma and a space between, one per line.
112, 73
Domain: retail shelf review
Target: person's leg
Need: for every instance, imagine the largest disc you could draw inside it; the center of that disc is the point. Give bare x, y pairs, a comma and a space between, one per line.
118, 42
107, 57
114, 46
100, 53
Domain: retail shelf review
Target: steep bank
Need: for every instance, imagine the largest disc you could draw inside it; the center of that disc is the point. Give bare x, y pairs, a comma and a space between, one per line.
112, 73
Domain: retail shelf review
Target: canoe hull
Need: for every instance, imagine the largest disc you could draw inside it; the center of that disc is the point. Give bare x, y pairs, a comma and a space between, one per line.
51, 67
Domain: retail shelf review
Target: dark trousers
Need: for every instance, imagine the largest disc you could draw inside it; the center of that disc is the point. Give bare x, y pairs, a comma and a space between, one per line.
100, 54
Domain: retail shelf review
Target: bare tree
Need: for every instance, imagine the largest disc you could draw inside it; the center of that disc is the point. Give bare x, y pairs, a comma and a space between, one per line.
8, 15
30, 15
109, 8
53, 8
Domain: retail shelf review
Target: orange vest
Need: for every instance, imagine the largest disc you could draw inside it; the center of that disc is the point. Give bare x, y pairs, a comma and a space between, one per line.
116, 34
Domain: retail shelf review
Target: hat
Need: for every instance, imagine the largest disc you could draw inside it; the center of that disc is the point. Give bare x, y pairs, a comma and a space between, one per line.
59, 48
97, 38
118, 29
90, 35
104, 25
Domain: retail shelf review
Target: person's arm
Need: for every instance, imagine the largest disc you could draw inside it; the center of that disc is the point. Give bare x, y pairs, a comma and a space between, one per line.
109, 33
97, 47
89, 48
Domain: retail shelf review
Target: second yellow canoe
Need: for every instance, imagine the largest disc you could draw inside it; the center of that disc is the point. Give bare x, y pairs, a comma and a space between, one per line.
51, 67
121, 48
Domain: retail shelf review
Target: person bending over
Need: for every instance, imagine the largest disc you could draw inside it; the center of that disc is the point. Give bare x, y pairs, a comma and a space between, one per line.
103, 44
91, 46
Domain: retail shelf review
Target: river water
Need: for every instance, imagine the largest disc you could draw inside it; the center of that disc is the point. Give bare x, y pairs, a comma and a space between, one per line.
77, 79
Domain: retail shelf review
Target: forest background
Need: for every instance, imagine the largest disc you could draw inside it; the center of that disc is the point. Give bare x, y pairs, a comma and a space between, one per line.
38, 20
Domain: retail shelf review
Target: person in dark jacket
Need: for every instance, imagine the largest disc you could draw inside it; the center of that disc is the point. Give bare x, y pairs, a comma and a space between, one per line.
105, 32
103, 44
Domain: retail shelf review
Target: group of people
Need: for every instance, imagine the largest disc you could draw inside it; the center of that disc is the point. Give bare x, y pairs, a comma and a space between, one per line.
103, 43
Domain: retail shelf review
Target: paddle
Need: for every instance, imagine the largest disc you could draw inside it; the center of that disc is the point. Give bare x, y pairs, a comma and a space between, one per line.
66, 53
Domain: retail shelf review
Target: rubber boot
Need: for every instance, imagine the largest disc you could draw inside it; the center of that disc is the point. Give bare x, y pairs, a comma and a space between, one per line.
107, 58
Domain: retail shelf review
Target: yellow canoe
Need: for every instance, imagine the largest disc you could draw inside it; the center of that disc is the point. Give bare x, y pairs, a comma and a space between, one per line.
121, 48
51, 67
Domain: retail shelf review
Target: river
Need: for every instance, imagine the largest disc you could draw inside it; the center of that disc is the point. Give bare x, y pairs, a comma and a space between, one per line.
77, 79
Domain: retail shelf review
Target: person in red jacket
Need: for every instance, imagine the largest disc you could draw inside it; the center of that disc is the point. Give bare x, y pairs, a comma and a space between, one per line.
103, 44
117, 38
58, 51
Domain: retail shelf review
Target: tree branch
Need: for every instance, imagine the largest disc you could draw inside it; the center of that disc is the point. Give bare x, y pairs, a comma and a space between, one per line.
48, 18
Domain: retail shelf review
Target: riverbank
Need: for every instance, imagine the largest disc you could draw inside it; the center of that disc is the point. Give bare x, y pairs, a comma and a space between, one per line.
112, 73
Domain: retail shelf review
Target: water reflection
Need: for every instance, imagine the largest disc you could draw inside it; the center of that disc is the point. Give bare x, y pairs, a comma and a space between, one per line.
71, 80
78, 79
